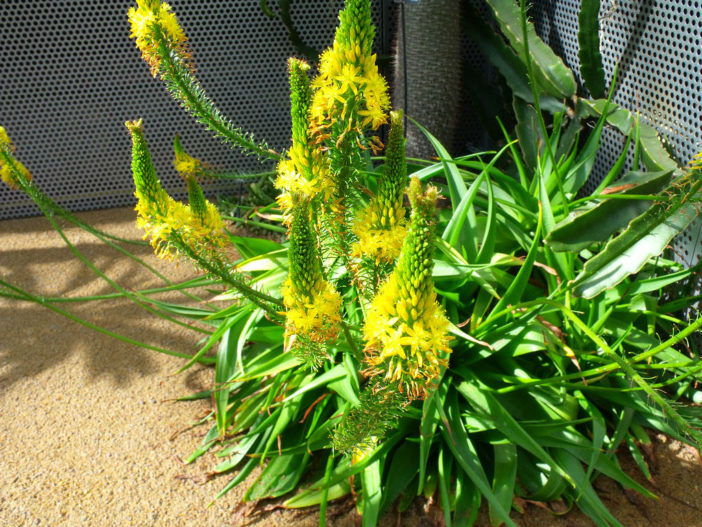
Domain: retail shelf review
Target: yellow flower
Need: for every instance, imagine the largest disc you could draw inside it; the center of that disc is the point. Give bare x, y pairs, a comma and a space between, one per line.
5, 141
187, 165
349, 78
406, 330
313, 314
170, 225
379, 243
12, 172
149, 19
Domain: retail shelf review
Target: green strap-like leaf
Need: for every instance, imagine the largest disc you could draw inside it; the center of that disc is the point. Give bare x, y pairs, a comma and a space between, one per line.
372, 494
504, 477
587, 498
514, 292
403, 469
281, 475
463, 451
428, 424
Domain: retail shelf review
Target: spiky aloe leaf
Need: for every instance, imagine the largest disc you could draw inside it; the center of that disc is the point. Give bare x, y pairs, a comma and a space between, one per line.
552, 75
647, 236
597, 223
589, 53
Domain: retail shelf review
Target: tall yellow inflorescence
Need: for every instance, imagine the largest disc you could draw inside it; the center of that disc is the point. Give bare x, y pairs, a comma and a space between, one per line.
350, 99
406, 330
170, 225
149, 17
348, 79
381, 227
313, 306
305, 171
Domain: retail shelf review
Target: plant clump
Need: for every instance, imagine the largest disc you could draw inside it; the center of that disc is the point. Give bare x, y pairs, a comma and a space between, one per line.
506, 345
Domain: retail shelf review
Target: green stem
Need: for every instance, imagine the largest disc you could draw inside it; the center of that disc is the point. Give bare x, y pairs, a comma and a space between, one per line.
31, 298
325, 491
198, 282
184, 87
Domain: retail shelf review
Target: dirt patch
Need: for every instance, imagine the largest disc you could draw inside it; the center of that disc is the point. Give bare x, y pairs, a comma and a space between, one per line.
90, 427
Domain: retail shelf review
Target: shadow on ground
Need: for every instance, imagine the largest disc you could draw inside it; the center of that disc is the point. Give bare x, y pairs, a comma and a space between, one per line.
86, 440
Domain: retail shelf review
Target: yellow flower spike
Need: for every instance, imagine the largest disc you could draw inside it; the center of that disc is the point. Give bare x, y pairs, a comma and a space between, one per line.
393, 320
171, 226
305, 171
343, 110
313, 306
381, 227
13, 173
149, 17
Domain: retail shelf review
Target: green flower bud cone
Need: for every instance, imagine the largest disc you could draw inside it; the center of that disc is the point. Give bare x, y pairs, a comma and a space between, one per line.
305, 264
356, 26
393, 184
300, 99
415, 265
148, 187
196, 199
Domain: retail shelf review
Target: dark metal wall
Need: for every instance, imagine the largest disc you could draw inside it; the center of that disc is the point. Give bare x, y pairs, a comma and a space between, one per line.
70, 77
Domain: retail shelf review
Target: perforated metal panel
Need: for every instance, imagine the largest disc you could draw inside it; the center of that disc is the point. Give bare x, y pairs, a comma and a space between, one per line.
70, 77
658, 46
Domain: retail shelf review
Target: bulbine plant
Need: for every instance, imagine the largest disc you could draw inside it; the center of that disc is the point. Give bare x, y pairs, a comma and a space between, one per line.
469, 328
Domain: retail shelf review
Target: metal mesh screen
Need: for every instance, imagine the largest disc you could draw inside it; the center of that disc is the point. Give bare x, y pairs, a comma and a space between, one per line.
70, 76
433, 77
658, 46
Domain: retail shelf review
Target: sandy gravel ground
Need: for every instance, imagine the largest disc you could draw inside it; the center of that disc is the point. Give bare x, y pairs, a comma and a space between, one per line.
89, 433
